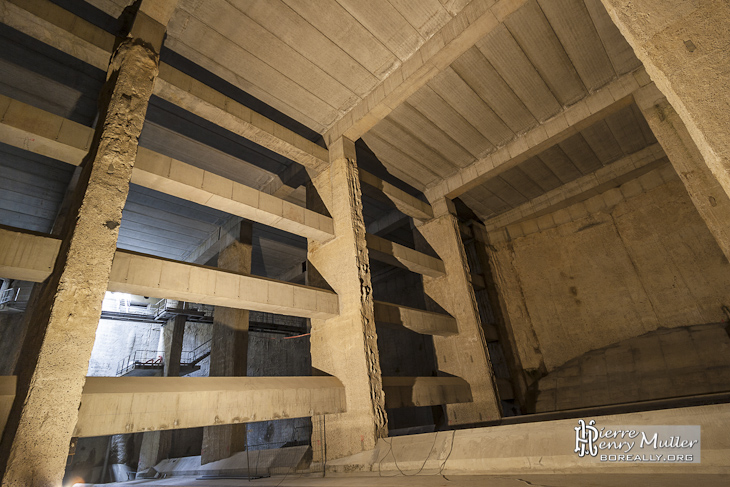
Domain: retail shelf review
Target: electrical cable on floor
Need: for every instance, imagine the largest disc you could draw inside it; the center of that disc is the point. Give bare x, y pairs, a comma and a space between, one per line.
395, 460
443, 465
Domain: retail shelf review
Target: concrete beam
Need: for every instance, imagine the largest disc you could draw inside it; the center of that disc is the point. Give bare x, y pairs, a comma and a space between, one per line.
395, 254
27, 256
387, 223
286, 182
294, 274
145, 275
151, 276
605, 178
57, 27
44, 133
118, 405
122, 405
407, 204
596, 106
70, 34
170, 176
7, 396
203, 101
420, 321
403, 392
218, 240
475, 20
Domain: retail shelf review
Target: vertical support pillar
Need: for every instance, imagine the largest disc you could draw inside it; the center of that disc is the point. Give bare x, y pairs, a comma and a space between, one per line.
55, 358
229, 349
705, 190
464, 355
174, 333
156, 445
346, 346
685, 48
520, 335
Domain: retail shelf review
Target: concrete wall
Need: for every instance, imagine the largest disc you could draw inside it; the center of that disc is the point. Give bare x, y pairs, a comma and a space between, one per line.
270, 354
623, 264
660, 364
116, 340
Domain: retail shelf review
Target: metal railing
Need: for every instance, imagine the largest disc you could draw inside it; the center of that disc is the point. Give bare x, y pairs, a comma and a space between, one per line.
193, 357
140, 359
148, 359
9, 295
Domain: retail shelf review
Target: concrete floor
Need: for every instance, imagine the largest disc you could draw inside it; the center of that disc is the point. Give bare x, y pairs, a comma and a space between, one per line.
452, 481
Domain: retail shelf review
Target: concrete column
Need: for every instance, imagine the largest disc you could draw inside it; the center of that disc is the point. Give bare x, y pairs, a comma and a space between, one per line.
464, 355
156, 445
55, 357
502, 321
229, 349
706, 191
521, 336
346, 346
685, 47
173, 335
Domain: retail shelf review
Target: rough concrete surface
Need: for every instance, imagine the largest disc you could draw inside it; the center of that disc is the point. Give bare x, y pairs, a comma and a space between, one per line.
346, 346
40, 426
464, 355
646, 263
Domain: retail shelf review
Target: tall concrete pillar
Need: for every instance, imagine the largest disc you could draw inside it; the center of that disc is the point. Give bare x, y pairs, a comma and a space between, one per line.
53, 364
705, 190
464, 355
156, 445
523, 344
346, 346
685, 47
229, 349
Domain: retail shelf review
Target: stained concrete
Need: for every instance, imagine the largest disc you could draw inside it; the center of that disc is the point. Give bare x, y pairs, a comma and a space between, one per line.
617, 272
346, 346
229, 349
59, 345
463, 355
684, 47
665, 363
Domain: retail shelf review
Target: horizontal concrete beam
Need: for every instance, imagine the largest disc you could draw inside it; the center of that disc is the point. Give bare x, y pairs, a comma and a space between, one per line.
222, 237
403, 392
603, 179
387, 223
26, 256
205, 102
30, 257
117, 405
398, 255
407, 204
41, 132
596, 106
65, 31
57, 27
476, 19
7, 395
420, 321
170, 176
151, 276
